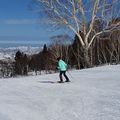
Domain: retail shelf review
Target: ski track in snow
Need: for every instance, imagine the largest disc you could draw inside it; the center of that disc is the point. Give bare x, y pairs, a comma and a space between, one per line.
93, 94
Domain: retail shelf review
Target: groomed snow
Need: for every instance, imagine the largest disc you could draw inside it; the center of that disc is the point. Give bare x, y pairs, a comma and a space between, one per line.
93, 94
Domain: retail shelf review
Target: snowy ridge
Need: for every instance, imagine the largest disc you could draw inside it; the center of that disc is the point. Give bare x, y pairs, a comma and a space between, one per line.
6, 53
93, 94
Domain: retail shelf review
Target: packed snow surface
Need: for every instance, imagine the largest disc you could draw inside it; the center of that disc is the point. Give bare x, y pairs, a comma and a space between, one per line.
92, 94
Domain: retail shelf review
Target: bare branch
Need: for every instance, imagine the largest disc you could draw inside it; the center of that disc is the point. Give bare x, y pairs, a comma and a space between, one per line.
104, 31
92, 21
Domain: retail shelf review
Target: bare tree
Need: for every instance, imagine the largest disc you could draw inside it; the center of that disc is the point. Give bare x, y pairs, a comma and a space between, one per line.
76, 14
60, 46
7, 68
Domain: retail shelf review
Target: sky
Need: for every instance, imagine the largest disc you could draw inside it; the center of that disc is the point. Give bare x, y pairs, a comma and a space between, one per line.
18, 23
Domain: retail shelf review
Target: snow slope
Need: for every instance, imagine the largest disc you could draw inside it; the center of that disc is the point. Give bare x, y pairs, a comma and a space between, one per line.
93, 94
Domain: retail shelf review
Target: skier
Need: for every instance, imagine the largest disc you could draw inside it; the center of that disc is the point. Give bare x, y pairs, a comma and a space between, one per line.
62, 66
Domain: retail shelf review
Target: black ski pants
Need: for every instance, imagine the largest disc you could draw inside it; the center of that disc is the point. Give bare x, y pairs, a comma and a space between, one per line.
63, 73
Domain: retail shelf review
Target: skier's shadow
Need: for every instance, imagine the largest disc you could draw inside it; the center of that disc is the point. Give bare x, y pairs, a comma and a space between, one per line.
46, 82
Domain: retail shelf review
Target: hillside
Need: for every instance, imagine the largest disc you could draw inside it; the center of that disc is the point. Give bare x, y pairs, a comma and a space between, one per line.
92, 94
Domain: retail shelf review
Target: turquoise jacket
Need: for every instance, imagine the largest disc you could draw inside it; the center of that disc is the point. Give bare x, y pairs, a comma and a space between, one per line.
62, 66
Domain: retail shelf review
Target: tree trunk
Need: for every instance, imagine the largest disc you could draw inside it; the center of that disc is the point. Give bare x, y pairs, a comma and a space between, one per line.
78, 57
86, 57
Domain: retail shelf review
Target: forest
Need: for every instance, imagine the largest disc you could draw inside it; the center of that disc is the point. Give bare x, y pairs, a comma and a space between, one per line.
104, 50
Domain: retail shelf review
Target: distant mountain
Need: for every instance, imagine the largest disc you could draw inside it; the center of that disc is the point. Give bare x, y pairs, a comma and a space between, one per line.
11, 51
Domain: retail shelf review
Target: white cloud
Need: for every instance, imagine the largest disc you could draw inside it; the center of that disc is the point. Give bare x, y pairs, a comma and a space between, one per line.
26, 21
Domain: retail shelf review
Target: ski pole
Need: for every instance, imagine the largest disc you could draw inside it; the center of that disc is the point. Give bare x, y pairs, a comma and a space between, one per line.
70, 75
